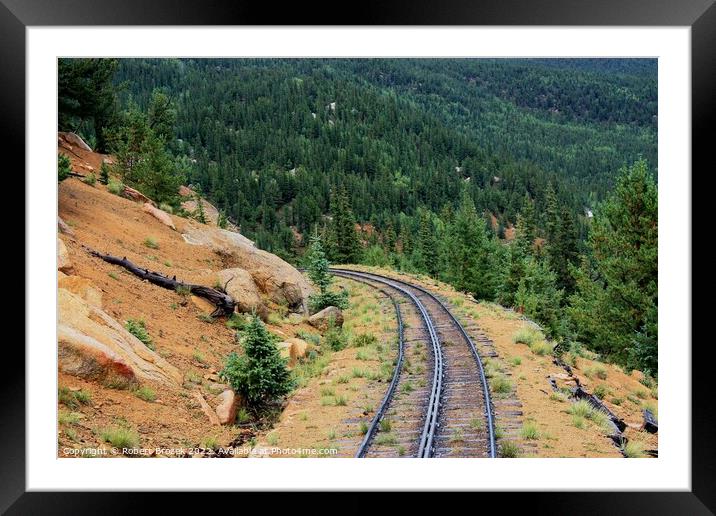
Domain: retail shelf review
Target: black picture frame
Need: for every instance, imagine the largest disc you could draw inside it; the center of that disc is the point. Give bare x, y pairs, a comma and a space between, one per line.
700, 15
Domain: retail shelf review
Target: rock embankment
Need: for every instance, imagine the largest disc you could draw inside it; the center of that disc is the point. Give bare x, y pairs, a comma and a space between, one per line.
280, 282
93, 345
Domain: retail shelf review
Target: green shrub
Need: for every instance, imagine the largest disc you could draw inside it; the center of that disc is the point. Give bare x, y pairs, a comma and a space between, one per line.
385, 439
236, 322
68, 418
90, 179
260, 374
83, 397
516, 361
641, 394
319, 274
509, 449
210, 442
600, 391
120, 437
166, 207
477, 423
335, 338
243, 416
151, 243
633, 450
385, 425
500, 384
529, 431
558, 396
64, 167
137, 328
527, 336
364, 339
578, 421
363, 427
457, 435
145, 393
115, 187
541, 347
580, 408
597, 370
104, 173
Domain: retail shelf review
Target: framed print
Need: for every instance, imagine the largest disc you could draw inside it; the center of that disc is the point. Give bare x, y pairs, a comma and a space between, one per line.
439, 236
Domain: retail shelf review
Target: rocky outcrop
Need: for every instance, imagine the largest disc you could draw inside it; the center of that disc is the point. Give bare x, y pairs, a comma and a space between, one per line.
299, 347
136, 195
275, 278
82, 287
161, 216
64, 264
226, 409
322, 319
294, 349
241, 287
93, 345
211, 214
74, 139
206, 408
63, 228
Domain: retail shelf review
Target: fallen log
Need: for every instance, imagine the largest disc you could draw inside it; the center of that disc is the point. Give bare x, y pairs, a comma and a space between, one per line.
223, 302
650, 423
580, 394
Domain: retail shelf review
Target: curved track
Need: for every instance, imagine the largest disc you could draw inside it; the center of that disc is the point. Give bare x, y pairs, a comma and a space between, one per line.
453, 407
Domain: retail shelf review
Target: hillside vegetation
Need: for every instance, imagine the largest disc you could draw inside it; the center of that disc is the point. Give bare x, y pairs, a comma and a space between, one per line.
527, 182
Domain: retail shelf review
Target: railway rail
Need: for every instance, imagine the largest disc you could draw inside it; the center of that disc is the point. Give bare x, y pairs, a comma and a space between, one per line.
453, 407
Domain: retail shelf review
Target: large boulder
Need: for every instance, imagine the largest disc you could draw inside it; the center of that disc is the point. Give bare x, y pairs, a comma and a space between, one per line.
93, 345
64, 264
77, 141
241, 287
321, 320
226, 409
275, 278
206, 408
299, 348
137, 196
160, 215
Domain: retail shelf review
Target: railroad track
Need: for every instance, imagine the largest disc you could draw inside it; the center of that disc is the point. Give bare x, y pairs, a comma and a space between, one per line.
438, 403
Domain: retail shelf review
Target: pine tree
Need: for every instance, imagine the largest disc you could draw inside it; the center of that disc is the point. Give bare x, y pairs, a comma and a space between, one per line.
527, 227
259, 374
143, 160
64, 167
538, 296
222, 222
320, 275
199, 213
615, 304
561, 247
427, 245
345, 247
104, 173
472, 264
520, 249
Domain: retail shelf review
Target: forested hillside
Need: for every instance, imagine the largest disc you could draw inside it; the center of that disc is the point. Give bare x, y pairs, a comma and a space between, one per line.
484, 173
